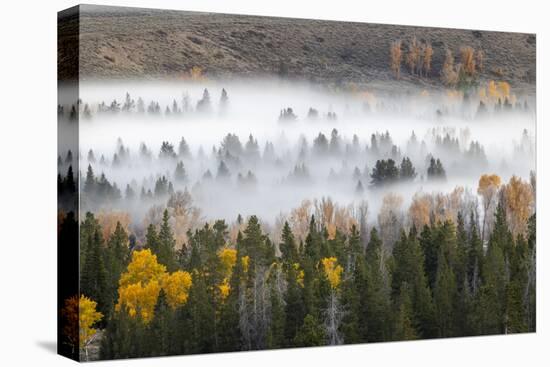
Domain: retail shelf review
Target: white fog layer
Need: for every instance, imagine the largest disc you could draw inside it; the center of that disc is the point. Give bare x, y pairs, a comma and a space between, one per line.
247, 154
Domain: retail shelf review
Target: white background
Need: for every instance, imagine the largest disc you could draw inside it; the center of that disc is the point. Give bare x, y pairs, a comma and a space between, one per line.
28, 153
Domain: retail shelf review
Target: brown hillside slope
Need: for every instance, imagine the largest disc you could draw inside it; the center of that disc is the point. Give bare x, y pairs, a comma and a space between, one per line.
143, 43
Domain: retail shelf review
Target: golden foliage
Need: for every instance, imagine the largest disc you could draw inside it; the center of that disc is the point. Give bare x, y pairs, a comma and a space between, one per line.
80, 316
139, 299
245, 262
140, 285
395, 58
143, 268
228, 259
176, 286
109, 219
519, 200
333, 271
468, 60
486, 183
224, 288
88, 316
299, 274
496, 91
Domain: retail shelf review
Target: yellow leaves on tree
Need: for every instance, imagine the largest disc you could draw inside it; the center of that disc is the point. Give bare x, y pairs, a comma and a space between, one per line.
395, 58
143, 268
88, 316
488, 186
228, 259
468, 60
519, 201
140, 285
80, 315
224, 288
176, 286
139, 299
245, 261
299, 274
496, 91
333, 271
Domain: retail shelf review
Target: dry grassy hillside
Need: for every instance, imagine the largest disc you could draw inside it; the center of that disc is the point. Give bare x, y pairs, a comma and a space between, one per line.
143, 43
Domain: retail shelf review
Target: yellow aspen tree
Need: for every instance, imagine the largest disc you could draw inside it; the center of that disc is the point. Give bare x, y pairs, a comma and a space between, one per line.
519, 202
396, 56
228, 259
332, 271
80, 315
468, 60
139, 286
176, 287
88, 316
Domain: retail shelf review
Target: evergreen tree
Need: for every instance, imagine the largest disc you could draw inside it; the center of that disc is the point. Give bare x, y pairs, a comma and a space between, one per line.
294, 304
384, 172
375, 298
288, 247
159, 332
179, 174
93, 276
406, 170
310, 334
166, 251
404, 327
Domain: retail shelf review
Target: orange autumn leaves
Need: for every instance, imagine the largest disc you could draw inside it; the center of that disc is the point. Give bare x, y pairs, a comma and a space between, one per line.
140, 286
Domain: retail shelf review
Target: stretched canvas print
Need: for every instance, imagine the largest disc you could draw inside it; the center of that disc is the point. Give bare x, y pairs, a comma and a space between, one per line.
233, 183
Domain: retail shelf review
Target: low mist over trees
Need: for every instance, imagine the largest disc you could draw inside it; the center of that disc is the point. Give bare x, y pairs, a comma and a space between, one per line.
236, 217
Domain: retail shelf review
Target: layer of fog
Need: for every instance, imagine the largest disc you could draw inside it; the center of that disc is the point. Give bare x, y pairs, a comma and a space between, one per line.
254, 109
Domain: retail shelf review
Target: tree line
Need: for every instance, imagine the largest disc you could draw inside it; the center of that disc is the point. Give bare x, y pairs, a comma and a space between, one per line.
211, 295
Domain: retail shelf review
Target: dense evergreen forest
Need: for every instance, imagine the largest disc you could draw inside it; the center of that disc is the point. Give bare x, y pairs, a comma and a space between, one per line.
313, 228
212, 295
